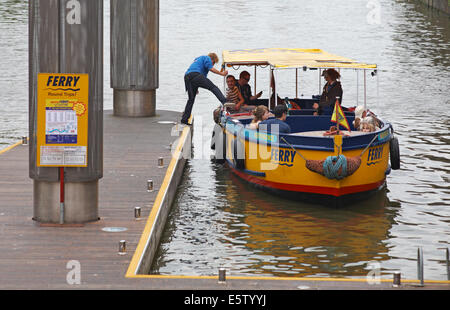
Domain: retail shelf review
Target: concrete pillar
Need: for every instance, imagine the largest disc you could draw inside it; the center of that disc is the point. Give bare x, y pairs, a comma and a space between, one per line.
66, 36
134, 56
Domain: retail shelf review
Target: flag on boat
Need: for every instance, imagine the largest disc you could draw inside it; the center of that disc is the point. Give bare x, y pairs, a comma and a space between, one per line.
338, 116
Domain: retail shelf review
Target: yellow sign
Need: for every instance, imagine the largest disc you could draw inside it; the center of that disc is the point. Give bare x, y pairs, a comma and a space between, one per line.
62, 120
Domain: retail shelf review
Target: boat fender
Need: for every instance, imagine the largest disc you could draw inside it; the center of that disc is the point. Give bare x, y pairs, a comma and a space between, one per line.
238, 154
331, 167
213, 140
394, 151
218, 144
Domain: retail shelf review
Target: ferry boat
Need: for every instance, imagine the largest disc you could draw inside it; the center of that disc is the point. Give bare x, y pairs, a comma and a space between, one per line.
312, 163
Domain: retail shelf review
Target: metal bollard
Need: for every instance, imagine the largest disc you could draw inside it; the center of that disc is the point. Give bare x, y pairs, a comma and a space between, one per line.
447, 263
222, 275
420, 266
122, 247
397, 279
160, 162
149, 185
137, 213
24, 140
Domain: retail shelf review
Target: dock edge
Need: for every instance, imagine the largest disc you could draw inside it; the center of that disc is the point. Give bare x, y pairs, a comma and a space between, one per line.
149, 242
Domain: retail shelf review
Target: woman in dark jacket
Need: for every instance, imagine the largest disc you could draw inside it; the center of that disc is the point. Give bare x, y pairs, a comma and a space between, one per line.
331, 90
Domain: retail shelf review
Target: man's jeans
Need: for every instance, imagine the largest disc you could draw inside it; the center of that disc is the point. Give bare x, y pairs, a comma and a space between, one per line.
192, 82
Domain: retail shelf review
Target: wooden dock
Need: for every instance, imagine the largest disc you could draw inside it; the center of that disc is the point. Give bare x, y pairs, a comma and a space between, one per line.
36, 257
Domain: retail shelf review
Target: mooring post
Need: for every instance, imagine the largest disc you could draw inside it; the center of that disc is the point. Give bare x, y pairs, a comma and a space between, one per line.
447, 263
420, 266
65, 107
134, 56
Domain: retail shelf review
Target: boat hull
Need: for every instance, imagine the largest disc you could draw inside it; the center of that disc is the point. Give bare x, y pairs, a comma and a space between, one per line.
281, 168
308, 194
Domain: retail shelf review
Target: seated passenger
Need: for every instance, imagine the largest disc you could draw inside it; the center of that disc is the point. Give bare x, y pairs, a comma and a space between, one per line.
331, 90
261, 113
368, 116
235, 96
278, 123
368, 124
359, 110
367, 127
245, 88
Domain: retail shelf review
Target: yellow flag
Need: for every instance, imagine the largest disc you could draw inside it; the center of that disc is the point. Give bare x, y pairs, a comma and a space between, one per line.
338, 116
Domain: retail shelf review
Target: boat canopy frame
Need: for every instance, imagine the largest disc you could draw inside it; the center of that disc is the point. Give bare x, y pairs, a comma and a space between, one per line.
295, 58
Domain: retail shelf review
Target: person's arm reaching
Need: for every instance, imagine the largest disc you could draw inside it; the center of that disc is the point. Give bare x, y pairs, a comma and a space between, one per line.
223, 73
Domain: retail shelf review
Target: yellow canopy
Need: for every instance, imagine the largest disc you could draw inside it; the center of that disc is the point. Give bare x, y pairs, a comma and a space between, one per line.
291, 58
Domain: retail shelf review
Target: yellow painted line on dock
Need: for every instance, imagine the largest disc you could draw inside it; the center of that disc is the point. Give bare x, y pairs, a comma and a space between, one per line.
135, 261
10, 147
143, 276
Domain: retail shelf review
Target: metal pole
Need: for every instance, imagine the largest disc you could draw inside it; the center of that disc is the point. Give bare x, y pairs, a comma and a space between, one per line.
272, 90
447, 263
296, 82
134, 56
61, 195
66, 37
320, 81
365, 93
255, 81
222, 275
357, 87
397, 279
420, 265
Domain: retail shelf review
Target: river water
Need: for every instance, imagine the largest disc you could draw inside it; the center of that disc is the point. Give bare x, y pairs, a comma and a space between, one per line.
219, 220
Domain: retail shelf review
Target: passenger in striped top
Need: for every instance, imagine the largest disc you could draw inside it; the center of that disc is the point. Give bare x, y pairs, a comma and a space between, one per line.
235, 96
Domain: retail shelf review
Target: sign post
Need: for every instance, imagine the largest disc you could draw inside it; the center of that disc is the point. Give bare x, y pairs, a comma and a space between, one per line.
62, 123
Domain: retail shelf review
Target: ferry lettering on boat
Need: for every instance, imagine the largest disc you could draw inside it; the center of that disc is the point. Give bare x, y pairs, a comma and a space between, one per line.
282, 157
374, 155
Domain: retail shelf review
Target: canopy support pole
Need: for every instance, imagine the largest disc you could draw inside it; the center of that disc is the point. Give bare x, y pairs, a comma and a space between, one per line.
357, 87
365, 88
320, 81
296, 82
255, 81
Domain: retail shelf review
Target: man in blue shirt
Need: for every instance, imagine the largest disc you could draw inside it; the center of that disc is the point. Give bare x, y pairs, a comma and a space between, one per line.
278, 123
196, 76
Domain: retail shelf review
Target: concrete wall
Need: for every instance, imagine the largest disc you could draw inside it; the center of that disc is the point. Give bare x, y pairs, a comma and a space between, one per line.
441, 5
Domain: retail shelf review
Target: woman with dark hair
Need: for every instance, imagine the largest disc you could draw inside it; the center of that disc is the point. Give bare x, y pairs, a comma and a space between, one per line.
331, 90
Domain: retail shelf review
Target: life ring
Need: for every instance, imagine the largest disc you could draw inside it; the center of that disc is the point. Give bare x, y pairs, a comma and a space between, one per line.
394, 151
238, 154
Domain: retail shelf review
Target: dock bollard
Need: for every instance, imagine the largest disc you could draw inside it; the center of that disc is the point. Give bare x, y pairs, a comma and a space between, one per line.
420, 265
160, 162
447, 263
137, 213
122, 247
24, 140
397, 279
222, 275
149, 185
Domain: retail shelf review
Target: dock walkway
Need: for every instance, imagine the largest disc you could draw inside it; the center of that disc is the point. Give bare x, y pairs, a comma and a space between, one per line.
36, 257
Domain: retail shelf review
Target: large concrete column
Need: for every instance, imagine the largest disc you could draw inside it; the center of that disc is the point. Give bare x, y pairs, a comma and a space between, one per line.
134, 56
66, 36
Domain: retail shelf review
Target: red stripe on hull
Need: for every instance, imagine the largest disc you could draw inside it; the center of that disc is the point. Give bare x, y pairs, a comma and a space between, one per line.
337, 192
